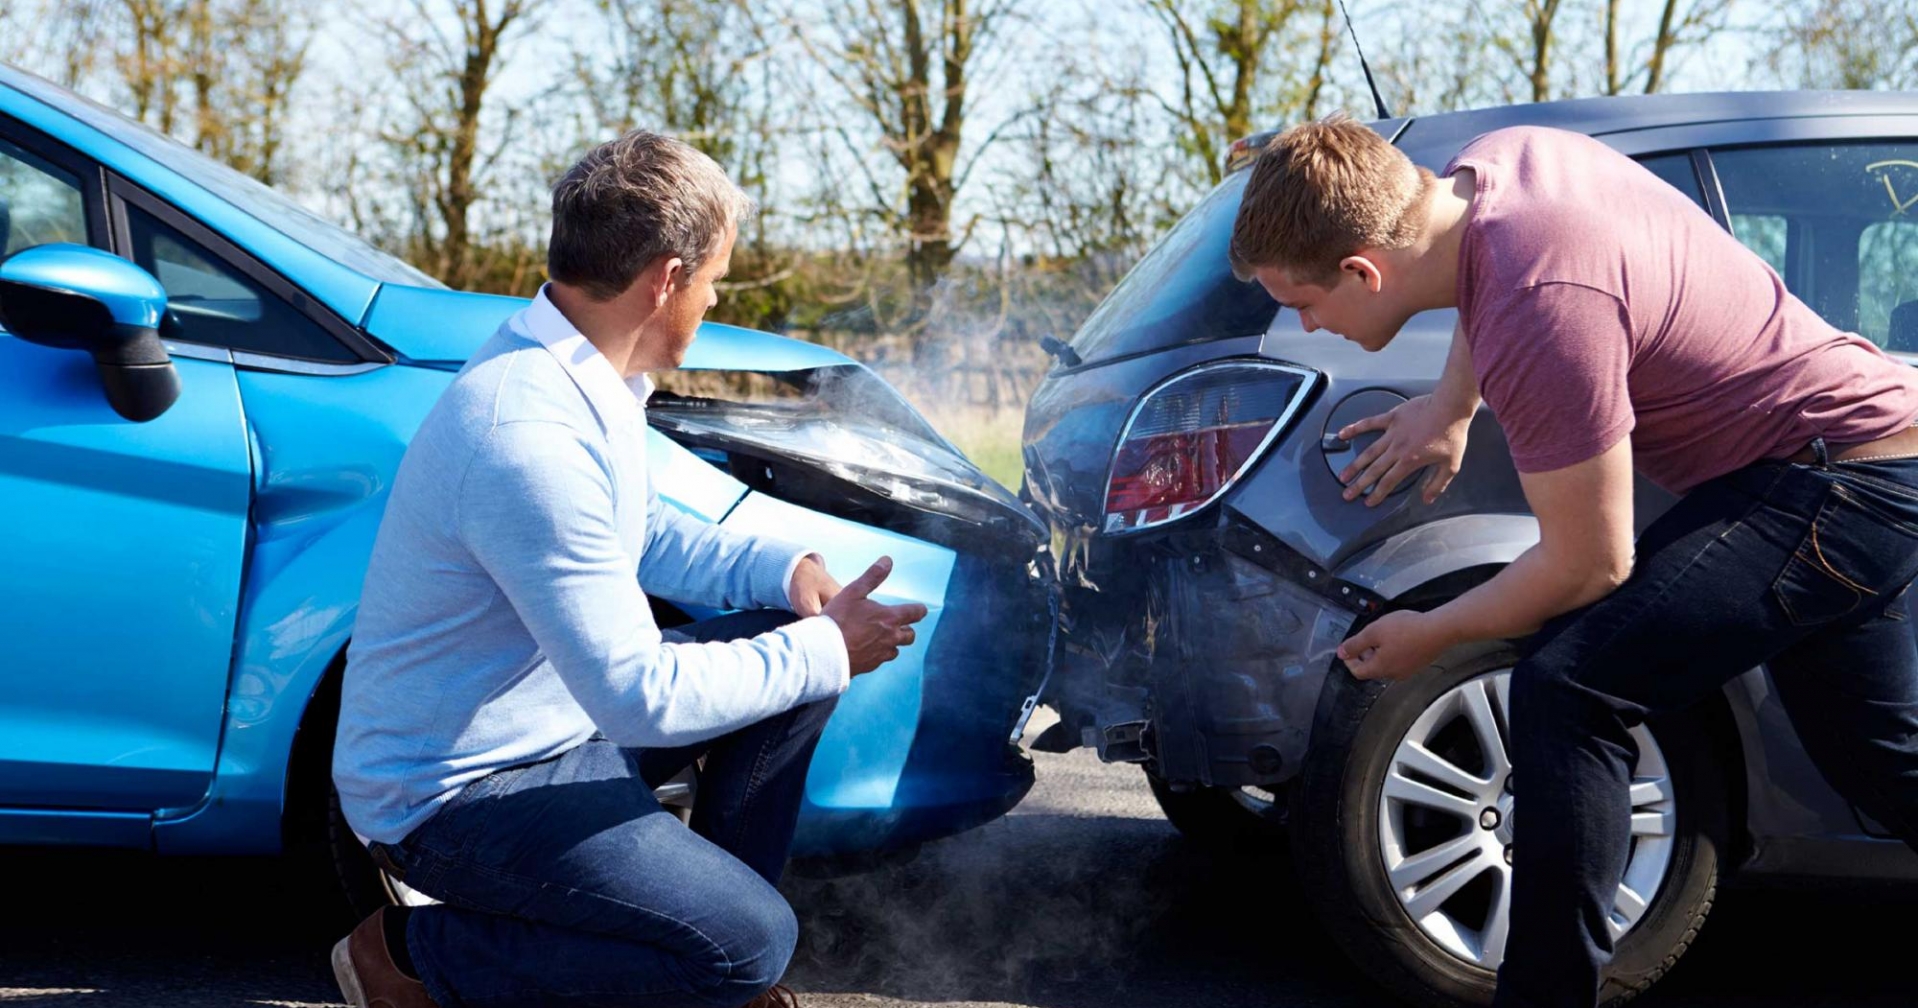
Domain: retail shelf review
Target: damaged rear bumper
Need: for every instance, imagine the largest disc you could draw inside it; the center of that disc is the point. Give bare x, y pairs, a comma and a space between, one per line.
1200, 654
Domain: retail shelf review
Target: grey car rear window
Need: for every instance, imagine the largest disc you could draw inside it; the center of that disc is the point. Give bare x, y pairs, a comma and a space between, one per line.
1183, 291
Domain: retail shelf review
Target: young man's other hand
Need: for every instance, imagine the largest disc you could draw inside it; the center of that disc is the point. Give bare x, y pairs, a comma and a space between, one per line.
1419, 434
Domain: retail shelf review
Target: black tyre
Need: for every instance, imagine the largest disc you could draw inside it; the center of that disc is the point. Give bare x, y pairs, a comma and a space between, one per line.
365, 887
1225, 820
1396, 856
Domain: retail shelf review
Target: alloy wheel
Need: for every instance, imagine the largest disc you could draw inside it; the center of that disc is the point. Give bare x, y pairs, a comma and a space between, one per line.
1446, 814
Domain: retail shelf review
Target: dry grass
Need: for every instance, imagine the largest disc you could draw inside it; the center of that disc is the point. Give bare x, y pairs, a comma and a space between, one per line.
988, 436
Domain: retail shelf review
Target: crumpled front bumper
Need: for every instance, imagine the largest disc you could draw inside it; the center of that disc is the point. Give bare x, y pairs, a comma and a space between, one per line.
1199, 653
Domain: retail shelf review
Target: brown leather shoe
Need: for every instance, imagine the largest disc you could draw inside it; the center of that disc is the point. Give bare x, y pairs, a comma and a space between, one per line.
366, 973
777, 996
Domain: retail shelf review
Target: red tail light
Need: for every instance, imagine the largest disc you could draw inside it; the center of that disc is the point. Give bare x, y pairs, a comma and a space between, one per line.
1191, 438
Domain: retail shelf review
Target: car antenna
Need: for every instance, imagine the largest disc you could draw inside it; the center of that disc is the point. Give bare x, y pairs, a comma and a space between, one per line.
1059, 348
1377, 99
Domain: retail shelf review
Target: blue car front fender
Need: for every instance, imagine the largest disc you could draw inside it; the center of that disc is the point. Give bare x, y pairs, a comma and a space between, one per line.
326, 450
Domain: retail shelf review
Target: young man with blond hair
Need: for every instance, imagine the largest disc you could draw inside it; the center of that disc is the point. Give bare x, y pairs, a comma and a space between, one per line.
1612, 327
510, 704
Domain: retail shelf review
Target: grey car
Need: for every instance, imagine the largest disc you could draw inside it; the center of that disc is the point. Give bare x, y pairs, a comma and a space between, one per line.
1183, 452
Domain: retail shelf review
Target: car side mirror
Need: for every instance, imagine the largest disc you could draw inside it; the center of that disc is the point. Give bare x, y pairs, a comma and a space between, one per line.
77, 298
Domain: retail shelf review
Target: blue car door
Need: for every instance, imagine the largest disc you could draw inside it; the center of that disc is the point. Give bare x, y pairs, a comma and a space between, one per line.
121, 546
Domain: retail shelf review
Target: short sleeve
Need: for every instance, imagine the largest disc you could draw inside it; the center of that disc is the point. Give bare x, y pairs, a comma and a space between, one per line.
1552, 362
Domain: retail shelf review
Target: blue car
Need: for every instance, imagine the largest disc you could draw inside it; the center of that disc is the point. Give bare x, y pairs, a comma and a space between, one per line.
204, 393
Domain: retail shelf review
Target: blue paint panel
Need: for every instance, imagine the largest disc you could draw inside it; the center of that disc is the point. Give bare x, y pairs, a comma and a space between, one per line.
425, 324
119, 583
328, 447
689, 482
730, 348
864, 749
25, 827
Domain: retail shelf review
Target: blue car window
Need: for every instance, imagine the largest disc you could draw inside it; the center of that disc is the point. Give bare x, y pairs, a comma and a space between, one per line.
1838, 221
216, 304
39, 203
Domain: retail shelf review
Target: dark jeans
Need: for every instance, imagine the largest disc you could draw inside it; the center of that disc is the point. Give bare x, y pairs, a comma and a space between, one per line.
564, 883
1801, 567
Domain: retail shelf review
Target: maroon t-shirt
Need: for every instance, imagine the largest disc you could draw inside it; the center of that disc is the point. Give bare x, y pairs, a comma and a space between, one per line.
1598, 301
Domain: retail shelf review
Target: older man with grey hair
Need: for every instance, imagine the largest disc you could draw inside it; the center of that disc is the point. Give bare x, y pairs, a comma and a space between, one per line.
509, 702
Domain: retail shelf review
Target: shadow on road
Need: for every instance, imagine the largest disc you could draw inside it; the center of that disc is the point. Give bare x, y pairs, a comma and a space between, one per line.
106, 929
1067, 912
1053, 911
1064, 912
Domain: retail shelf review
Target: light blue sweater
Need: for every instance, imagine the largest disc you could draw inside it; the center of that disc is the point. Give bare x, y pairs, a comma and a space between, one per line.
503, 619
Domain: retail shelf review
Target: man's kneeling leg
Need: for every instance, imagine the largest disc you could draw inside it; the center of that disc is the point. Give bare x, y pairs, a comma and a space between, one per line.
565, 883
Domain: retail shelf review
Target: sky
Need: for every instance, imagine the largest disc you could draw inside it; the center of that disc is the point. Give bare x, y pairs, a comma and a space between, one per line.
1122, 38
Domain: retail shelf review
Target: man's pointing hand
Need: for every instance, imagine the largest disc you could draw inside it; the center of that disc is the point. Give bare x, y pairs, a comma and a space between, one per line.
874, 631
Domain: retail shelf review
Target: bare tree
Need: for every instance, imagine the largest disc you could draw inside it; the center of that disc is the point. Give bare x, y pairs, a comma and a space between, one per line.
152, 57
244, 60
1240, 68
681, 66
1847, 44
272, 57
908, 68
219, 74
1089, 184
1530, 48
1539, 15
1679, 25
441, 80
1450, 59
61, 42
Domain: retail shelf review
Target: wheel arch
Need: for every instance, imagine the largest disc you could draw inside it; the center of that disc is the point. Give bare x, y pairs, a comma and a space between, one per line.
1428, 566
302, 597
1437, 552
309, 764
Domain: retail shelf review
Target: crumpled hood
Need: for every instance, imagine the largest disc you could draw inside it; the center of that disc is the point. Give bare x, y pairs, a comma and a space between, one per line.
434, 325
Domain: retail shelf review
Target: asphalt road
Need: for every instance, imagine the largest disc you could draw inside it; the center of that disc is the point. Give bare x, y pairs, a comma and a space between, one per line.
1082, 898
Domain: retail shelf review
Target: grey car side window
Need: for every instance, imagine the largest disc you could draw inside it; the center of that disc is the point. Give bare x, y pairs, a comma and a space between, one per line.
1839, 223
1676, 169
40, 203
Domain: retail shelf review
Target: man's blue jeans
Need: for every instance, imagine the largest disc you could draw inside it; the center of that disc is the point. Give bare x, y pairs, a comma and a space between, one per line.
1799, 567
564, 883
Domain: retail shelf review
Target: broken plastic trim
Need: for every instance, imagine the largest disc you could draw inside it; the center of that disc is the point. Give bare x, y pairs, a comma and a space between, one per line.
1210, 664
843, 423
1263, 548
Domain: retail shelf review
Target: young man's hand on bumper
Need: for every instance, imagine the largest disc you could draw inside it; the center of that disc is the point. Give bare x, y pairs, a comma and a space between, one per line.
1398, 645
1584, 552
